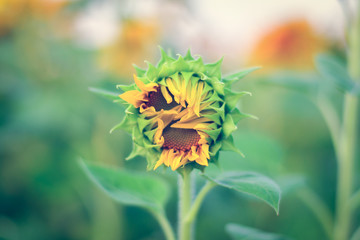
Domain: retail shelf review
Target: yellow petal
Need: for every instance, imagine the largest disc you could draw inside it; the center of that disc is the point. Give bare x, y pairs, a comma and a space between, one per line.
133, 97
170, 157
150, 87
192, 97
202, 160
184, 160
176, 162
205, 150
192, 124
160, 161
172, 88
166, 94
183, 93
200, 88
158, 138
148, 111
192, 155
167, 116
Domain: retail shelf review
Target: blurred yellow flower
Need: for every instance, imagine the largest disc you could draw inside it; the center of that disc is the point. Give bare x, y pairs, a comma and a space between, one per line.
289, 46
13, 11
135, 42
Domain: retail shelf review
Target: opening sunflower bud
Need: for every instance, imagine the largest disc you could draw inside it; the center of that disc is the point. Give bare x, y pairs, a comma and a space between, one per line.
178, 113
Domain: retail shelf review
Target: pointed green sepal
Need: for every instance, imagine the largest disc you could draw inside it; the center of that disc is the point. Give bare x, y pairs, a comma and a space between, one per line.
139, 71
237, 115
126, 88
181, 65
229, 126
136, 151
104, 93
214, 69
228, 145
217, 85
213, 134
165, 58
231, 98
152, 157
166, 70
188, 56
214, 149
197, 65
117, 126
127, 124
150, 134
144, 124
232, 78
219, 110
212, 115
152, 72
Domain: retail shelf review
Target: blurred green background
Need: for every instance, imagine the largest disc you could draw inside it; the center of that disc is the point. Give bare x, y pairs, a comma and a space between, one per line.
52, 51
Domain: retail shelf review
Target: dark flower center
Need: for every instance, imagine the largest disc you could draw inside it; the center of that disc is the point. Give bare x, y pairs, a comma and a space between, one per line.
157, 100
180, 139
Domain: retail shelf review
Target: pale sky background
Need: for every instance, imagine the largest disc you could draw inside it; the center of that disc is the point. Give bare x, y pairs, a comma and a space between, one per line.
228, 27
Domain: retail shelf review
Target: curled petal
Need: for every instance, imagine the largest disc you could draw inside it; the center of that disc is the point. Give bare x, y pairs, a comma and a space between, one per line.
133, 97
150, 87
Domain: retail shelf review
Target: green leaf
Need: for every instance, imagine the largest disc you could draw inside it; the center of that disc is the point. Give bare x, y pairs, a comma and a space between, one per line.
104, 93
333, 70
291, 183
251, 183
240, 232
129, 188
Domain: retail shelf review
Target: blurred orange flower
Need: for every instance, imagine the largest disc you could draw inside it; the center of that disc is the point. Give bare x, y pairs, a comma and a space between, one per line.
290, 46
135, 42
13, 11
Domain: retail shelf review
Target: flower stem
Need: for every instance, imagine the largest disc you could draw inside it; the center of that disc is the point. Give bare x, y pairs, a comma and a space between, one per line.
355, 201
356, 234
318, 207
346, 169
185, 198
198, 201
348, 138
165, 225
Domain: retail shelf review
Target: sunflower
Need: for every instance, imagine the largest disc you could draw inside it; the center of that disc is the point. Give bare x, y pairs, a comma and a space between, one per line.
291, 45
181, 112
134, 42
12, 12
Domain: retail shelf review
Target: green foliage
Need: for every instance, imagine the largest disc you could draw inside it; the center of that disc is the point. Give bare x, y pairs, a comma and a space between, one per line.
250, 183
129, 188
239, 232
306, 83
250, 142
334, 71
